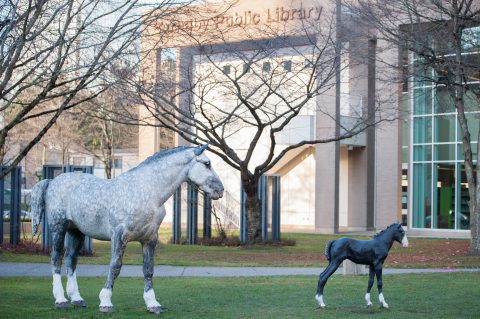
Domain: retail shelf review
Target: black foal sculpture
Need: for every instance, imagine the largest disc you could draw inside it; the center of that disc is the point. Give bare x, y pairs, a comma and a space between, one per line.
366, 252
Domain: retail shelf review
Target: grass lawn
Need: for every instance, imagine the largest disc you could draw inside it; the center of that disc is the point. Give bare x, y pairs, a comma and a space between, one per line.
409, 296
308, 252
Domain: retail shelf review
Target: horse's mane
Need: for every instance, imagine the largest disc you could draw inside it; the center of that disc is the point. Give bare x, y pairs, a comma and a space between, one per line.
384, 230
160, 154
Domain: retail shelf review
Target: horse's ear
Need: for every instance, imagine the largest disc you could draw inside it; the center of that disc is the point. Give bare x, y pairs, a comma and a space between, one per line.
200, 148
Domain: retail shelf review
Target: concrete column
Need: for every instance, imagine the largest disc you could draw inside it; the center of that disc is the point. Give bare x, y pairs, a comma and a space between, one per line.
387, 135
326, 166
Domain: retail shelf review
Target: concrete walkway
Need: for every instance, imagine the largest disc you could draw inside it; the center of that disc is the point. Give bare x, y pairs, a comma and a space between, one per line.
42, 269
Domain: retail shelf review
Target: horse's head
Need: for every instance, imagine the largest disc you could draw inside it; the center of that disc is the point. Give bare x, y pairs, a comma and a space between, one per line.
202, 174
399, 235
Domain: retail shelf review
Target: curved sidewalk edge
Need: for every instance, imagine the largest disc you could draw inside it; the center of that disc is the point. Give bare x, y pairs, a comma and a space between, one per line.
42, 269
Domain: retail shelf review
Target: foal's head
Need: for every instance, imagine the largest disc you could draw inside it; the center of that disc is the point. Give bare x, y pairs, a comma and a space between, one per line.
202, 174
399, 234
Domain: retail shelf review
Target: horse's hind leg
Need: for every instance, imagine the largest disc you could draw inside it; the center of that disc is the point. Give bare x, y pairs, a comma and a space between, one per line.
56, 260
119, 243
371, 278
331, 268
74, 244
153, 305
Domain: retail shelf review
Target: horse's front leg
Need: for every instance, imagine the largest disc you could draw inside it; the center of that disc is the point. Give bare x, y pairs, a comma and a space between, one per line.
371, 278
378, 272
153, 305
119, 243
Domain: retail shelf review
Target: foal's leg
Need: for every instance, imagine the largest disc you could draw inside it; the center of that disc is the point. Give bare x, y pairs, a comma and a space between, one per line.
153, 305
119, 243
378, 272
332, 266
371, 278
74, 243
58, 238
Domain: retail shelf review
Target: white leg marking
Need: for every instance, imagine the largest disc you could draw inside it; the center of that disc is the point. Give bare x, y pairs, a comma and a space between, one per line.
320, 300
367, 299
72, 288
105, 297
382, 300
58, 292
405, 241
150, 299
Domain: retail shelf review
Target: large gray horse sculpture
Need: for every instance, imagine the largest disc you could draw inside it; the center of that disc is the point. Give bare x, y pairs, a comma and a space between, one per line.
123, 209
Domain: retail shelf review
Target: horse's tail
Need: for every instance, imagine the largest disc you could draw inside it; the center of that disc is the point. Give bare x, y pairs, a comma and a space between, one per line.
38, 203
328, 247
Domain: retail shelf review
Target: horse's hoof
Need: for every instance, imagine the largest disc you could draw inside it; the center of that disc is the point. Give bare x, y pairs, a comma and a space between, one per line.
106, 309
156, 310
62, 305
384, 306
369, 305
79, 303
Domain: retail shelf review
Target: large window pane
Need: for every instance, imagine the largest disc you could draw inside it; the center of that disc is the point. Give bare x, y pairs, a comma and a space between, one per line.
422, 130
443, 101
473, 123
422, 195
471, 97
422, 101
463, 214
445, 152
474, 151
445, 128
422, 153
445, 196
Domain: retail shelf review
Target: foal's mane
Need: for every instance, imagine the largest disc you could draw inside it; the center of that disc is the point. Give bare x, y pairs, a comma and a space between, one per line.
384, 230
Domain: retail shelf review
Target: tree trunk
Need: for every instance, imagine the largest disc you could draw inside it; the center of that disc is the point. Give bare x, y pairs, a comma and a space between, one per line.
252, 206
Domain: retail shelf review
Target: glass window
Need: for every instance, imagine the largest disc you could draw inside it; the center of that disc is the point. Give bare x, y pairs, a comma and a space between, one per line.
443, 101
422, 195
422, 153
445, 196
471, 97
473, 123
266, 67
287, 65
474, 151
422, 130
422, 101
117, 162
463, 214
422, 74
445, 128
226, 69
445, 152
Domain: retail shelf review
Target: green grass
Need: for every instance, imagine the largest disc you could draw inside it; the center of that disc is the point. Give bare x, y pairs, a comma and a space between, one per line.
308, 252
409, 296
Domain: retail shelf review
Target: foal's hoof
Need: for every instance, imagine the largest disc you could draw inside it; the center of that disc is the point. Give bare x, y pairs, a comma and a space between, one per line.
79, 303
156, 310
62, 305
369, 305
106, 309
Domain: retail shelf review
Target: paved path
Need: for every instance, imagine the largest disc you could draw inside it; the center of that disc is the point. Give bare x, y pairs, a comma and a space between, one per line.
42, 269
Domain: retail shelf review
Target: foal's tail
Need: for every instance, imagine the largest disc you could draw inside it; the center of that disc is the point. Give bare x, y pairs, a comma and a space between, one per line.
38, 203
328, 247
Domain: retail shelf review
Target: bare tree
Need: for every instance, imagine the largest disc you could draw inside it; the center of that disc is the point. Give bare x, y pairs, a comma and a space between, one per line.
439, 43
100, 130
52, 54
242, 89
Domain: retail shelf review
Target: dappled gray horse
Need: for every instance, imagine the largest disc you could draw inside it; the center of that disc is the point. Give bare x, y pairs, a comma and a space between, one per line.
123, 209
